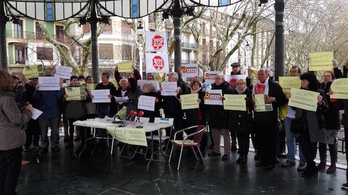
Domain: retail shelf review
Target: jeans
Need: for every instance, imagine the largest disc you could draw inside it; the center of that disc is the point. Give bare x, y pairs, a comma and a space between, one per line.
291, 143
102, 112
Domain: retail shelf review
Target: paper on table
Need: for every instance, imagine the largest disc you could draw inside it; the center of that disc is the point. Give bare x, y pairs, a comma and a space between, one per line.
146, 103
169, 88
36, 113
101, 96
132, 136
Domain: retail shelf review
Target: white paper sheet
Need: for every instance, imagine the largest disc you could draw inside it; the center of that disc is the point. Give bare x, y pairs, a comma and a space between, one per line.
36, 113
169, 88
101, 96
146, 103
49, 84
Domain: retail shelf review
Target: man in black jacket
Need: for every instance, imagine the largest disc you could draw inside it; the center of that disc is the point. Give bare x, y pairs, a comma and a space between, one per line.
266, 119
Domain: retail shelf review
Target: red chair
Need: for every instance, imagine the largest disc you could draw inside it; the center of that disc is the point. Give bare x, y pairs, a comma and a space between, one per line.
186, 142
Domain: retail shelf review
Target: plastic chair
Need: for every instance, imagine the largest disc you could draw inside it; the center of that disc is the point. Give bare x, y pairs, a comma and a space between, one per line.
194, 143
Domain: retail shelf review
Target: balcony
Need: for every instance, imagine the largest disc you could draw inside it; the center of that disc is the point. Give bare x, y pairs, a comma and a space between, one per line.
13, 36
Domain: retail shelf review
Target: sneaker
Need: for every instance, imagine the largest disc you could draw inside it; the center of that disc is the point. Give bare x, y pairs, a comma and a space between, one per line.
331, 169
288, 163
345, 186
301, 167
211, 154
321, 166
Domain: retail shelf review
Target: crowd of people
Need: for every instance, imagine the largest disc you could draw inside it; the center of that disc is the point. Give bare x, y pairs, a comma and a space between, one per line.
18, 100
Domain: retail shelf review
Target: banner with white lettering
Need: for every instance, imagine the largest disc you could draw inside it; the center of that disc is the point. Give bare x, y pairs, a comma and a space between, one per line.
156, 41
157, 63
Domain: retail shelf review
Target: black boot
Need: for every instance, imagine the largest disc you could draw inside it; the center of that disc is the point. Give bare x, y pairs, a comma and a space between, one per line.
240, 159
244, 159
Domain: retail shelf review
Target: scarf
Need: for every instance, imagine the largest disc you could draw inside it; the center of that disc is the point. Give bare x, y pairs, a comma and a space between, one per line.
241, 91
195, 91
261, 88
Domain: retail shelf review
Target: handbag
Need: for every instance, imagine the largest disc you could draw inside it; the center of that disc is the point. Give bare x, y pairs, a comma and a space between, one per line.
298, 124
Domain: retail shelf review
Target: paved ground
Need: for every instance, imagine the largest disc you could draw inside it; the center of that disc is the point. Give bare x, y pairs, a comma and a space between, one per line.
59, 173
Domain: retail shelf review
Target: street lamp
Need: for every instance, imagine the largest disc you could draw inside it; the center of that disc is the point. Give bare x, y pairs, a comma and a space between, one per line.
139, 41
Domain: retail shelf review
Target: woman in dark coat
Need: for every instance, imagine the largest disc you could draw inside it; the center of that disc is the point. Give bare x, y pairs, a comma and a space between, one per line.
241, 121
332, 119
314, 124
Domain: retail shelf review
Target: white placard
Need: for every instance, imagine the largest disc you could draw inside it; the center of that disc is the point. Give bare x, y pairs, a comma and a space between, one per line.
209, 77
157, 63
36, 113
121, 100
169, 88
101, 96
49, 84
232, 79
189, 70
156, 41
212, 97
155, 84
63, 72
146, 103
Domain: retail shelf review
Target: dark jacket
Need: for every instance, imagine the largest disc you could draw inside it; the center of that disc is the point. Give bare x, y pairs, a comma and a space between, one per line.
315, 122
272, 116
343, 104
197, 116
112, 105
241, 121
218, 117
48, 102
75, 109
332, 116
338, 73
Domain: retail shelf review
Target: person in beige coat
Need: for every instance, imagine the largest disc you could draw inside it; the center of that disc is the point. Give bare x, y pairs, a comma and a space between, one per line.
12, 135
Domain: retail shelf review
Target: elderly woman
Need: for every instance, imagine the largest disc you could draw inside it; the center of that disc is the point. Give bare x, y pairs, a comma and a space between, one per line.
332, 119
313, 126
240, 121
12, 135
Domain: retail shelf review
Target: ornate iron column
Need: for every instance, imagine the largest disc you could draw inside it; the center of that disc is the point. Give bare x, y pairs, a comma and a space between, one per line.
93, 21
177, 13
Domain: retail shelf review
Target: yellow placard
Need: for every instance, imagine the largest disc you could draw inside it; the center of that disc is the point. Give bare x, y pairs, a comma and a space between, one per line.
189, 101
113, 81
289, 82
260, 105
82, 82
339, 89
132, 136
125, 66
75, 93
90, 87
320, 61
32, 71
235, 102
304, 99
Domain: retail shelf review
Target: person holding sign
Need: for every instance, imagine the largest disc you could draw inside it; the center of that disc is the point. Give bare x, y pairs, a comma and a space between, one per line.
171, 104
149, 90
48, 103
272, 97
135, 74
218, 120
91, 108
241, 121
332, 119
75, 110
338, 72
12, 136
313, 132
295, 71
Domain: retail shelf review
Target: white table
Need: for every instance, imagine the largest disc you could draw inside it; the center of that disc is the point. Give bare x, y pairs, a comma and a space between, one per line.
147, 127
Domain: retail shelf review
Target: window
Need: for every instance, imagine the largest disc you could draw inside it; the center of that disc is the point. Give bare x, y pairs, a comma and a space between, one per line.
108, 29
126, 29
60, 33
18, 29
20, 54
106, 51
44, 53
86, 28
126, 52
38, 30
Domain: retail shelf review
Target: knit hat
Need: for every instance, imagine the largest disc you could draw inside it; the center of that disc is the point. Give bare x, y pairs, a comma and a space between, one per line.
149, 86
